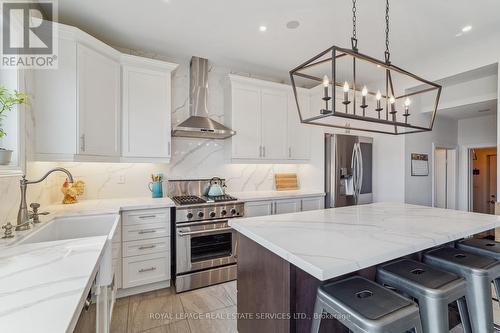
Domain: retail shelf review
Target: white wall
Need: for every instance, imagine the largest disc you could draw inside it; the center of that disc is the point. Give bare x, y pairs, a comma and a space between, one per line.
418, 189
472, 133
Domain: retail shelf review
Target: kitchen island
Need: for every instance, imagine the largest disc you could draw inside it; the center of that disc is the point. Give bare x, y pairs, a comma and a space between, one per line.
282, 259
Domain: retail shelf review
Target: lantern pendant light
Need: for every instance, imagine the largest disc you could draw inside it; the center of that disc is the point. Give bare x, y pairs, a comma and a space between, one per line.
393, 100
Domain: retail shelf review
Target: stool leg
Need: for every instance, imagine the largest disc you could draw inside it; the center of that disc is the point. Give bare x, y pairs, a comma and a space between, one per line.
496, 282
464, 315
318, 313
434, 314
479, 304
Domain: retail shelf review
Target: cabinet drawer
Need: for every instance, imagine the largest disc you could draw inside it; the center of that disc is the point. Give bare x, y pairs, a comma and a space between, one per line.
149, 246
145, 269
146, 217
115, 250
145, 231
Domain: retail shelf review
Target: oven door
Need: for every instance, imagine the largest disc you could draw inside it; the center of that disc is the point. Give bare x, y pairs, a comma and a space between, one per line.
202, 245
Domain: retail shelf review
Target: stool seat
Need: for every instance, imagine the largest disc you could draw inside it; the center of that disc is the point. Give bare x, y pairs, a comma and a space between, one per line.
468, 262
479, 271
365, 297
423, 275
364, 306
434, 289
479, 246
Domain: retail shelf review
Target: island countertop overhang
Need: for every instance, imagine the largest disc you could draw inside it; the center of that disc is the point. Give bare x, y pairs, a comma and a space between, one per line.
332, 242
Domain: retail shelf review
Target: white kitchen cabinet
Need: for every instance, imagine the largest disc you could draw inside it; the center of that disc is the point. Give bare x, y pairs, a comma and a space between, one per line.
273, 124
80, 105
98, 103
286, 206
258, 208
145, 250
299, 135
313, 203
282, 206
264, 116
146, 106
246, 122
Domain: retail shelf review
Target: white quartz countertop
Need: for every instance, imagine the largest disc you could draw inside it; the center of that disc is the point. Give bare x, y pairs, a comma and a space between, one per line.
43, 285
333, 242
271, 195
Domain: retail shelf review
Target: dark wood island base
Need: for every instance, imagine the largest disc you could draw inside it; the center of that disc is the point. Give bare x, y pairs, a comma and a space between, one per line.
275, 296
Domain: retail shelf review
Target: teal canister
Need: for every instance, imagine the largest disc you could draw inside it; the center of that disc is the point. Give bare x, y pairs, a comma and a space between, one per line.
156, 189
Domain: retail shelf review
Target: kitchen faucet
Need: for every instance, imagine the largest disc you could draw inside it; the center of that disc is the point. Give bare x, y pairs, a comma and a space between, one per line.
23, 216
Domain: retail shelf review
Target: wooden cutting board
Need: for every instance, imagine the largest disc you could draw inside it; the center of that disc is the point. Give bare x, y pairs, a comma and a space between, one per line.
285, 181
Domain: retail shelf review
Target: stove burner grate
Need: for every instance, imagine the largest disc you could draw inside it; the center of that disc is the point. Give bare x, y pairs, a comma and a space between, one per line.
188, 199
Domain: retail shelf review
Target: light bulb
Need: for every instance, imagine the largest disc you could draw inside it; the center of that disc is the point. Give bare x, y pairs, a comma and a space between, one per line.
392, 100
364, 92
326, 81
407, 102
346, 87
378, 96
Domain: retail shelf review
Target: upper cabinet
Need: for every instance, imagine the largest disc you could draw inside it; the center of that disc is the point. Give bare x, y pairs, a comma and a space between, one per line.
264, 116
101, 105
146, 105
98, 82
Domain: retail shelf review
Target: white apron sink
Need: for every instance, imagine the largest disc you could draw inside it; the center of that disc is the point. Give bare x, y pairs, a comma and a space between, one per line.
62, 228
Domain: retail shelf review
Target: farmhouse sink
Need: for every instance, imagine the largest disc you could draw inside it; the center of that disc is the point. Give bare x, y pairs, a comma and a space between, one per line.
62, 228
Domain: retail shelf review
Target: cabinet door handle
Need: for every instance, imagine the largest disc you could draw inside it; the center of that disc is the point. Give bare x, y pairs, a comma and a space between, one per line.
147, 247
169, 149
82, 142
147, 216
260, 151
142, 270
263, 151
147, 231
289, 152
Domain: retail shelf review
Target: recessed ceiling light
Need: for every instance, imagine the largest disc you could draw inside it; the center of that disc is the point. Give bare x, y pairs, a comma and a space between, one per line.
292, 24
467, 28
262, 28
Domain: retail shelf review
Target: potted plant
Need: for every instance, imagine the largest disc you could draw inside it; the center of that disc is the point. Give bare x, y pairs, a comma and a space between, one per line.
8, 99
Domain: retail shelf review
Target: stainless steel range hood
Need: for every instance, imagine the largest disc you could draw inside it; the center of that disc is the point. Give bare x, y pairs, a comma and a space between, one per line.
199, 125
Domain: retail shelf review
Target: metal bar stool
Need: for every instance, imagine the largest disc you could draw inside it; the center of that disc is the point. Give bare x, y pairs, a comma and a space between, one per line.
483, 247
434, 289
478, 272
364, 306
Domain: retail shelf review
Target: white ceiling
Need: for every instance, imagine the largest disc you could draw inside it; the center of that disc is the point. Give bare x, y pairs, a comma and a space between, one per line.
227, 31
480, 109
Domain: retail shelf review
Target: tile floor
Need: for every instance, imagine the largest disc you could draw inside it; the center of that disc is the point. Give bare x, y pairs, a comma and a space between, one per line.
206, 310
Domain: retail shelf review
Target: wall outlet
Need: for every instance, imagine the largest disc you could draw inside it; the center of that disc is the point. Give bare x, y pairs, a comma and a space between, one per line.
121, 179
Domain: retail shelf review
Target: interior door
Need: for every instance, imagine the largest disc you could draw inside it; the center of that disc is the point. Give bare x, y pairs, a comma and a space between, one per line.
274, 124
246, 121
492, 183
98, 103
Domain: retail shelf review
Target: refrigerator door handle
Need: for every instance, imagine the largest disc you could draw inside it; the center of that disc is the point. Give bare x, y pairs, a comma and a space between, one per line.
354, 167
360, 176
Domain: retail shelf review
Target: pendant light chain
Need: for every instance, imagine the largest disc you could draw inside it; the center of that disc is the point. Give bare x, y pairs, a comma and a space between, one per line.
387, 53
354, 38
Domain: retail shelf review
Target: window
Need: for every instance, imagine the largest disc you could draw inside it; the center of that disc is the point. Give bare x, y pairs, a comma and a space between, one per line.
13, 125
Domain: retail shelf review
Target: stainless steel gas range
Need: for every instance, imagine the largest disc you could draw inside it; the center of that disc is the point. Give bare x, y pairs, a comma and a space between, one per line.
205, 245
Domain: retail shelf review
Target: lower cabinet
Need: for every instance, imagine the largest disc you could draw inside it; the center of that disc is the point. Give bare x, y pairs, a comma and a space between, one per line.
145, 250
282, 206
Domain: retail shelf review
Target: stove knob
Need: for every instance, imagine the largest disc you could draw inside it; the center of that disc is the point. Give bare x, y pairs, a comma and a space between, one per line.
189, 215
233, 211
200, 214
212, 214
223, 212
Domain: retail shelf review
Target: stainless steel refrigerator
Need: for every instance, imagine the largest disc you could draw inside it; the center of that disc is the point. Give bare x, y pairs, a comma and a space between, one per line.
348, 170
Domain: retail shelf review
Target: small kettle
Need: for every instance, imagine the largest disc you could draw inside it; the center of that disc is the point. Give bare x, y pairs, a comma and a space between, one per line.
215, 188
